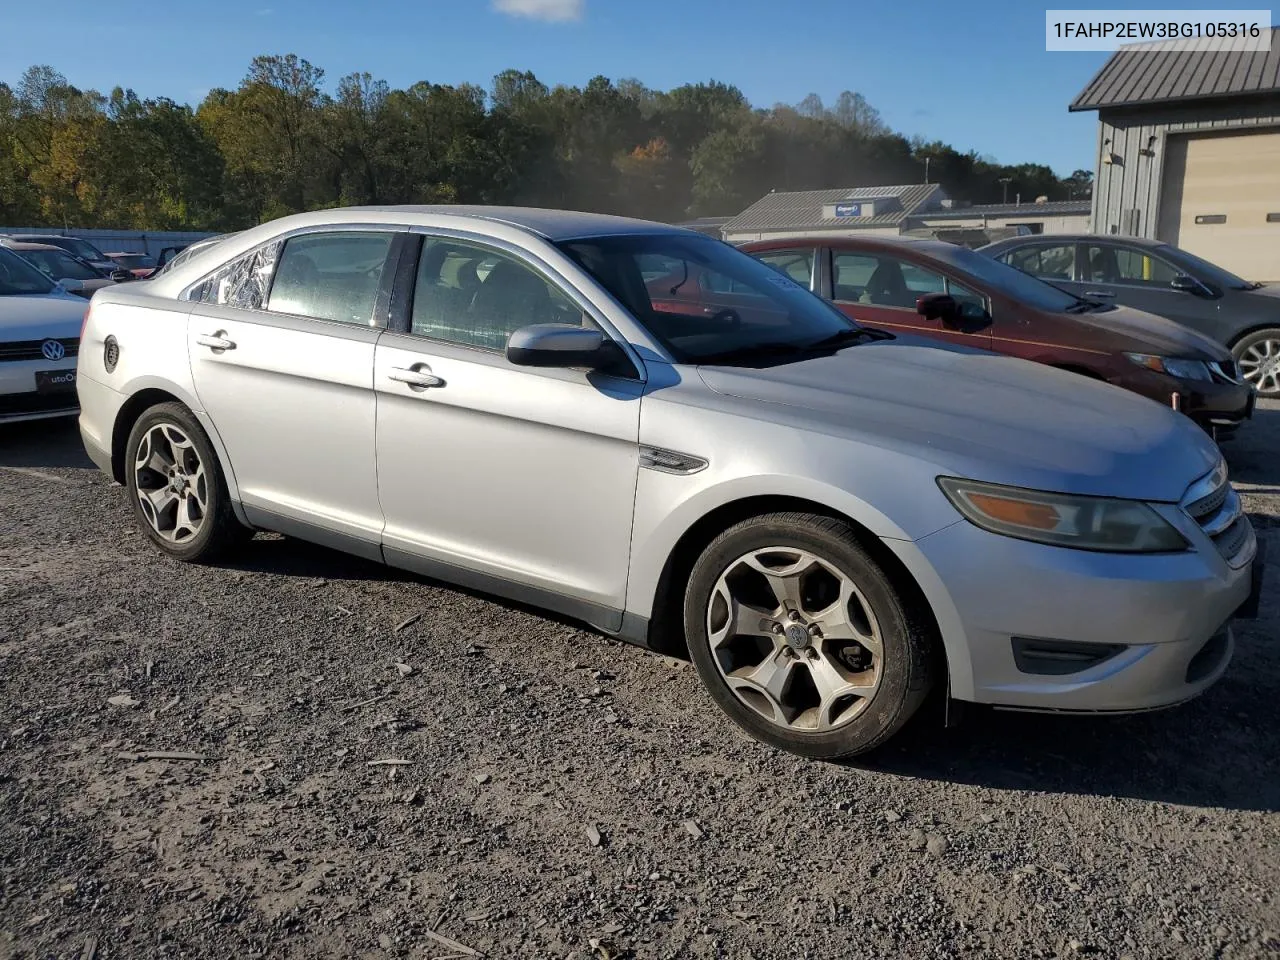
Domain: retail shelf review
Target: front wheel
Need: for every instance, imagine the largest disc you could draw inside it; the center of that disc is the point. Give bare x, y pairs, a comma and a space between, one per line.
176, 486
802, 639
1258, 356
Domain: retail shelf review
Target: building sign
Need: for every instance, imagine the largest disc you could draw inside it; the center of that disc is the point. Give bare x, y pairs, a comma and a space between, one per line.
848, 209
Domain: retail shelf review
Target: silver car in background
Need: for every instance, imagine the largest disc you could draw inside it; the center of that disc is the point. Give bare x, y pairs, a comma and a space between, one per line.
522, 402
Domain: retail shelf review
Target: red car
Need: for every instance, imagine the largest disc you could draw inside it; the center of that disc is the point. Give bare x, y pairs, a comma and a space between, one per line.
947, 292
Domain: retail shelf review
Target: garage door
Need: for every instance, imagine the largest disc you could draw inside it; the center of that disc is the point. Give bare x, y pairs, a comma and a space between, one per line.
1218, 192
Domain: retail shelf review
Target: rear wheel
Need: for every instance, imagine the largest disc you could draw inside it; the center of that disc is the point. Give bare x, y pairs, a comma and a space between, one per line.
176, 486
802, 639
1258, 356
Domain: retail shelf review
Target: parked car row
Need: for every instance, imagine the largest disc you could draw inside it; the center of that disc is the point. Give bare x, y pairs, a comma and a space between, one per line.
836, 509
1162, 279
951, 293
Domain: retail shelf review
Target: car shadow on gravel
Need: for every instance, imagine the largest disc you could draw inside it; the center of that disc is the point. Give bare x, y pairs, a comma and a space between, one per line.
1254, 455
43, 443
1217, 751
286, 557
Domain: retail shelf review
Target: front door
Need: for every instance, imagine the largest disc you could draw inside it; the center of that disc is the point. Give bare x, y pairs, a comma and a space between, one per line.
282, 348
492, 472
1138, 278
881, 290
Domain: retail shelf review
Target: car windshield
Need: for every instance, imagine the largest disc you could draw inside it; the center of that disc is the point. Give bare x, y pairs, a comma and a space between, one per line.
1012, 282
19, 278
59, 265
1204, 270
707, 302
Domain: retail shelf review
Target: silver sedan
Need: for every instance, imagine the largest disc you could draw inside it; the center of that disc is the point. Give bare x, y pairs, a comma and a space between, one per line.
645, 429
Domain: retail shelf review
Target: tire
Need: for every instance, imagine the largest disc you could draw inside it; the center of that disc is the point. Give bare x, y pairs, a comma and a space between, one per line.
178, 493
1258, 357
854, 698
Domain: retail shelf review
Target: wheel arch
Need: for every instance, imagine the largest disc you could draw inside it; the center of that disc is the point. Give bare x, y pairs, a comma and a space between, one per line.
143, 397
1251, 330
665, 631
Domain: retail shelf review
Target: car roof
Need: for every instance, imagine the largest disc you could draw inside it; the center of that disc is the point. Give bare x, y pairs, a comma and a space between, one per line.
1055, 238
550, 224
28, 245
939, 249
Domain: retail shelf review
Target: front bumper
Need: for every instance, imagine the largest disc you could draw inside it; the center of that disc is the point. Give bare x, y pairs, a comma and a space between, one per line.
19, 398
1159, 620
1216, 405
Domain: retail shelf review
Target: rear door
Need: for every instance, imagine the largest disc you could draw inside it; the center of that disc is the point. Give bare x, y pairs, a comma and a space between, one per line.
881, 290
281, 344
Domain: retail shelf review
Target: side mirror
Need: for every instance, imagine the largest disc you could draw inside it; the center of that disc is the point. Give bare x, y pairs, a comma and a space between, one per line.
938, 306
560, 345
1187, 284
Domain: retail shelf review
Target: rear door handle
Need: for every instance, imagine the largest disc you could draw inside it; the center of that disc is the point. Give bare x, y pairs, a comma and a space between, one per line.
421, 376
215, 341
1099, 293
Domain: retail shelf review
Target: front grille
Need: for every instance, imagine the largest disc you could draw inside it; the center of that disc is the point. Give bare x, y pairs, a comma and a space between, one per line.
1215, 506
13, 403
15, 350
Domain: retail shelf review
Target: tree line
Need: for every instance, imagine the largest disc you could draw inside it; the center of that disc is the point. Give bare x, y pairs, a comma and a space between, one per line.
281, 143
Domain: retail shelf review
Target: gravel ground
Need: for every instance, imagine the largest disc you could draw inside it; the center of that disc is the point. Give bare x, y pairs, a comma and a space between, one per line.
390, 768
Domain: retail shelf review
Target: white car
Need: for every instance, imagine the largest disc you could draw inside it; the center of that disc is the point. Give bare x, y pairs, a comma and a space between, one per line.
39, 340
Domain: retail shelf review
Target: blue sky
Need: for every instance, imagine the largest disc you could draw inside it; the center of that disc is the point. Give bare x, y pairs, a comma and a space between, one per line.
973, 74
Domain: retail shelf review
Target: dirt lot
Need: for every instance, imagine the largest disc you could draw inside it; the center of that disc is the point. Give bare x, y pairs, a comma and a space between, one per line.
556, 794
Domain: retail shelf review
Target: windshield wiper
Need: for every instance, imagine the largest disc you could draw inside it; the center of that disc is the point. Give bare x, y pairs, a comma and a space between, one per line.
844, 337
756, 351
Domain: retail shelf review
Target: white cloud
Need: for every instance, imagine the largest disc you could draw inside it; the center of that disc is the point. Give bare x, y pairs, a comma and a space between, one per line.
556, 11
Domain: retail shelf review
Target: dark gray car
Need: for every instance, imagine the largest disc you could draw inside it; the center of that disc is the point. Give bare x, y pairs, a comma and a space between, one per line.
1163, 280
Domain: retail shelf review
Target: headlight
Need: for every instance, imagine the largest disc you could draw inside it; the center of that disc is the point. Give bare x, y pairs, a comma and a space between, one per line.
1178, 367
1061, 519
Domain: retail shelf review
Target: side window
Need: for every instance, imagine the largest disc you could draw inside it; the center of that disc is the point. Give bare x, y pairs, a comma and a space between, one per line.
331, 276
241, 283
1127, 265
889, 282
850, 274
473, 295
1048, 263
796, 264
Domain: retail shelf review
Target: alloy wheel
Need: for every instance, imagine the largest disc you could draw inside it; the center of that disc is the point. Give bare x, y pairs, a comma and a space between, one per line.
795, 639
1260, 365
171, 483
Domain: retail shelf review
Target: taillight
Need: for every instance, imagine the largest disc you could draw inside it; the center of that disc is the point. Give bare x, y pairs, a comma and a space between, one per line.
84, 324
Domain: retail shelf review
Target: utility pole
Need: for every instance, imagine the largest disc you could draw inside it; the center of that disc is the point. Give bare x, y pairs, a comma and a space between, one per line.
926, 169
1004, 182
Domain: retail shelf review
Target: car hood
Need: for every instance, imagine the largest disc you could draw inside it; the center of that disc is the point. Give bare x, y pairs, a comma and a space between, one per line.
984, 416
1136, 331
38, 317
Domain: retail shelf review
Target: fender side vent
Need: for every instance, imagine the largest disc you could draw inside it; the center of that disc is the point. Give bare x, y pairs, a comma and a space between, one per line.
1056, 658
670, 461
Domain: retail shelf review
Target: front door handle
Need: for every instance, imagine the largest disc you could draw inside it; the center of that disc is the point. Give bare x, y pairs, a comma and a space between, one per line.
215, 341
421, 376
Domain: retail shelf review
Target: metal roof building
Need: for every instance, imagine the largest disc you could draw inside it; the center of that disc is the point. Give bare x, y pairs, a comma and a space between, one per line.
843, 210
1189, 151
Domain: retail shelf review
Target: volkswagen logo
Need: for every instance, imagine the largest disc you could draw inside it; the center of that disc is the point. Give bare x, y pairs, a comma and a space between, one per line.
53, 350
